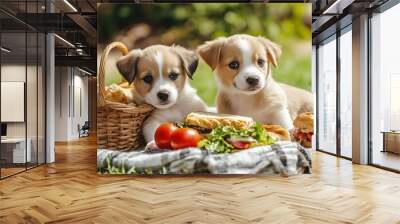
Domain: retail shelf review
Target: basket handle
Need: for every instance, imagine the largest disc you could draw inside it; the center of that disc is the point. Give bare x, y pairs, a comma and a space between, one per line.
102, 69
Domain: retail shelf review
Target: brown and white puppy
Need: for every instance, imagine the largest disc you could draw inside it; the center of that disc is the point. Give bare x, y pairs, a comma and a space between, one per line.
160, 76
242, 65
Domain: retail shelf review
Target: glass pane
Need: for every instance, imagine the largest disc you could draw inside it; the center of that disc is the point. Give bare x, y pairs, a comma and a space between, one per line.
346, 94
41, 99
22, 82
327, 97
31, 97
13, 85
386, 89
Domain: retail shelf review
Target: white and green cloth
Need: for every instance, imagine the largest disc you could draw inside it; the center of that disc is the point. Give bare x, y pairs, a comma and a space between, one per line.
283, 158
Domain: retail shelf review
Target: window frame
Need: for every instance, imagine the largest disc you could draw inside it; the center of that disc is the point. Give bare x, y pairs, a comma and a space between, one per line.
333, 37
25, 31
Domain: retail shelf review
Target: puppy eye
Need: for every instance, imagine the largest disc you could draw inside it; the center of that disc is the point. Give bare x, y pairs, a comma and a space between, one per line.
261, 63
173, 76
148, 79
234, 65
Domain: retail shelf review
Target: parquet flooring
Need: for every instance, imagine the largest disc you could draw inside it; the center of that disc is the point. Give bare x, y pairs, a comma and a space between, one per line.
10, 171
70, 191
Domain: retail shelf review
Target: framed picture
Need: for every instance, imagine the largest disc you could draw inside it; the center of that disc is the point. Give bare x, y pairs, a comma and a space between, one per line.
204, 89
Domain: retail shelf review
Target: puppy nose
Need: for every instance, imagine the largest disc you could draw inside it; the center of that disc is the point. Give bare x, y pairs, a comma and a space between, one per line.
163, 95
252, 81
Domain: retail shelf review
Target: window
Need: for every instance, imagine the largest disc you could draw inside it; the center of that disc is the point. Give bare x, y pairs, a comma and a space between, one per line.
327, 96
346, 93
385, 89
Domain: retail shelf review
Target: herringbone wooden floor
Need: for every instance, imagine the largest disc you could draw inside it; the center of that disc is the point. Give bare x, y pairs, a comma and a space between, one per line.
70, 191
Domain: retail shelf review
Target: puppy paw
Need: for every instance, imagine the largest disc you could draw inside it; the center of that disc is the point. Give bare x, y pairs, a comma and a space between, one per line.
212, 109
151, 146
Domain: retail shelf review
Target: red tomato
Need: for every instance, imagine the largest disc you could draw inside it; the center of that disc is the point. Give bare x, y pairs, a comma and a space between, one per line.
185, 137
163, 135
241, 144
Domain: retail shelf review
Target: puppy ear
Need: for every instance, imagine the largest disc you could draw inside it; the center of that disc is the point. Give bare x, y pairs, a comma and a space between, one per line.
127, 65
274, 51
189, 60
211, 50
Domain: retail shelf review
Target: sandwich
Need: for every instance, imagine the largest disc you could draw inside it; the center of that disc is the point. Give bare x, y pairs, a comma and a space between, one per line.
277, 131
204, 122
223, 133
304, 129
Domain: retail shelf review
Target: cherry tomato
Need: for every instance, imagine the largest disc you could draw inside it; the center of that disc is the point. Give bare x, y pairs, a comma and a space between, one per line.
163, 135
185, 137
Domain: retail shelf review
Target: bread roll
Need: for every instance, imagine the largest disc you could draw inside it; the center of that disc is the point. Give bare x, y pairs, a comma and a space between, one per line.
305, 122
119, 94
206, 120
125, 85
277, 131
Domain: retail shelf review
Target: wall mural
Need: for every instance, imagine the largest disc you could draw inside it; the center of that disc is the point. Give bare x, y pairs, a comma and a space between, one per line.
204, 89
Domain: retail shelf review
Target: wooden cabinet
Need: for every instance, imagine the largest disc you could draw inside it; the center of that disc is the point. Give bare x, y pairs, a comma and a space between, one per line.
391, 141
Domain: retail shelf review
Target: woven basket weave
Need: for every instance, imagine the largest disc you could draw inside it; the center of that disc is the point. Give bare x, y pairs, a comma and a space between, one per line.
118, 125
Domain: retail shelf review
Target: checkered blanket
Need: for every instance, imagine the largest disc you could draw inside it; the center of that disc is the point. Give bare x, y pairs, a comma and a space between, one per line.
284, 158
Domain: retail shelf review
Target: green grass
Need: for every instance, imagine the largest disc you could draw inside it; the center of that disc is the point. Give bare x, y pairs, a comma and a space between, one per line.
113, 76
294, 70
204, 82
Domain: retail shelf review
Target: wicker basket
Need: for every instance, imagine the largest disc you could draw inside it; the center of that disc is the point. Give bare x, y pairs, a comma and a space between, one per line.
118, 125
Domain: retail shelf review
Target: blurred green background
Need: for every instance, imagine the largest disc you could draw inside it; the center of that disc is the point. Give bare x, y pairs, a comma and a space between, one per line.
189, 25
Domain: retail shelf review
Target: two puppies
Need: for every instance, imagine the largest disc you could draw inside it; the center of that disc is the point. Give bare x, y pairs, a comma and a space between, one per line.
242, 65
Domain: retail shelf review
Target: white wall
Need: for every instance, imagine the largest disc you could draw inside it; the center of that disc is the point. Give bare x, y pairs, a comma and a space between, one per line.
69, 82
80, 84
12, 73
16, 73
62, 81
